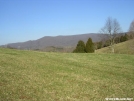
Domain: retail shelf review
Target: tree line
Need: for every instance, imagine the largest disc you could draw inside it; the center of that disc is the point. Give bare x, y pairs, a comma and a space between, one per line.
118, 39
112, 30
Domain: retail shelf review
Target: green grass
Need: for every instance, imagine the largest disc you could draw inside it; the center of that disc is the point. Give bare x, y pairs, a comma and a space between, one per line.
38, 76
121, 48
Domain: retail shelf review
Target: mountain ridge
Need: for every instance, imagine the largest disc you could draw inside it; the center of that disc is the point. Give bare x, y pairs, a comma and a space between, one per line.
56, 41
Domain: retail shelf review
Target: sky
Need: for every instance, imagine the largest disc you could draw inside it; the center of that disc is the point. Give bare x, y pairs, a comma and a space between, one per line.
23, 20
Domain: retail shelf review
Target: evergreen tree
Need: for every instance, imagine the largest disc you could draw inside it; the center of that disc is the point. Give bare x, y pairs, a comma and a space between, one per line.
125, 37
122, 38
80, 48
89, 46
99, 45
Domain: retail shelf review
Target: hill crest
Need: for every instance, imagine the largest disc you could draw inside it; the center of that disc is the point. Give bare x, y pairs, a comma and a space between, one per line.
126, 47
56, 41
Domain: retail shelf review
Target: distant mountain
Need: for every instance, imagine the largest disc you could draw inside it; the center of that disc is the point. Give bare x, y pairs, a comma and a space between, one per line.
57, 41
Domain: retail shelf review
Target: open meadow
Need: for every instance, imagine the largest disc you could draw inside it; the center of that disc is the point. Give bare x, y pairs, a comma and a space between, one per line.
46, 76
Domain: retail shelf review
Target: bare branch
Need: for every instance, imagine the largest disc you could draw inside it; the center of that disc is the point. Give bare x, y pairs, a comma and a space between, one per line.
111, 28
116, 27
131, 28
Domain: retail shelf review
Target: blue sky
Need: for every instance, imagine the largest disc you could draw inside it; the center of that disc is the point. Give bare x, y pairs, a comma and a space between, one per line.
23, 20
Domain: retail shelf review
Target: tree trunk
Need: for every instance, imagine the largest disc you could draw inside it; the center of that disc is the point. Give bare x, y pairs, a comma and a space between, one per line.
112, 49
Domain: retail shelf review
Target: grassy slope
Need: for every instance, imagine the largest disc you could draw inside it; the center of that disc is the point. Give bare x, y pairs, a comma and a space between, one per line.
123, 48
29, 75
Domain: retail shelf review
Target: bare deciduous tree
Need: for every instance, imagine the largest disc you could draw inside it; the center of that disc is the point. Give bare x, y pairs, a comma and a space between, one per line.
111, 29
131, 28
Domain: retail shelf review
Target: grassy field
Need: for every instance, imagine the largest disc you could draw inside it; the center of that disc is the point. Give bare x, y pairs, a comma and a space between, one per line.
38, 76
121, 48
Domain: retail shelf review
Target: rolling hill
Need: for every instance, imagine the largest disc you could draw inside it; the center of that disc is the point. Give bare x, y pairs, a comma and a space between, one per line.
44, 76
126, 47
